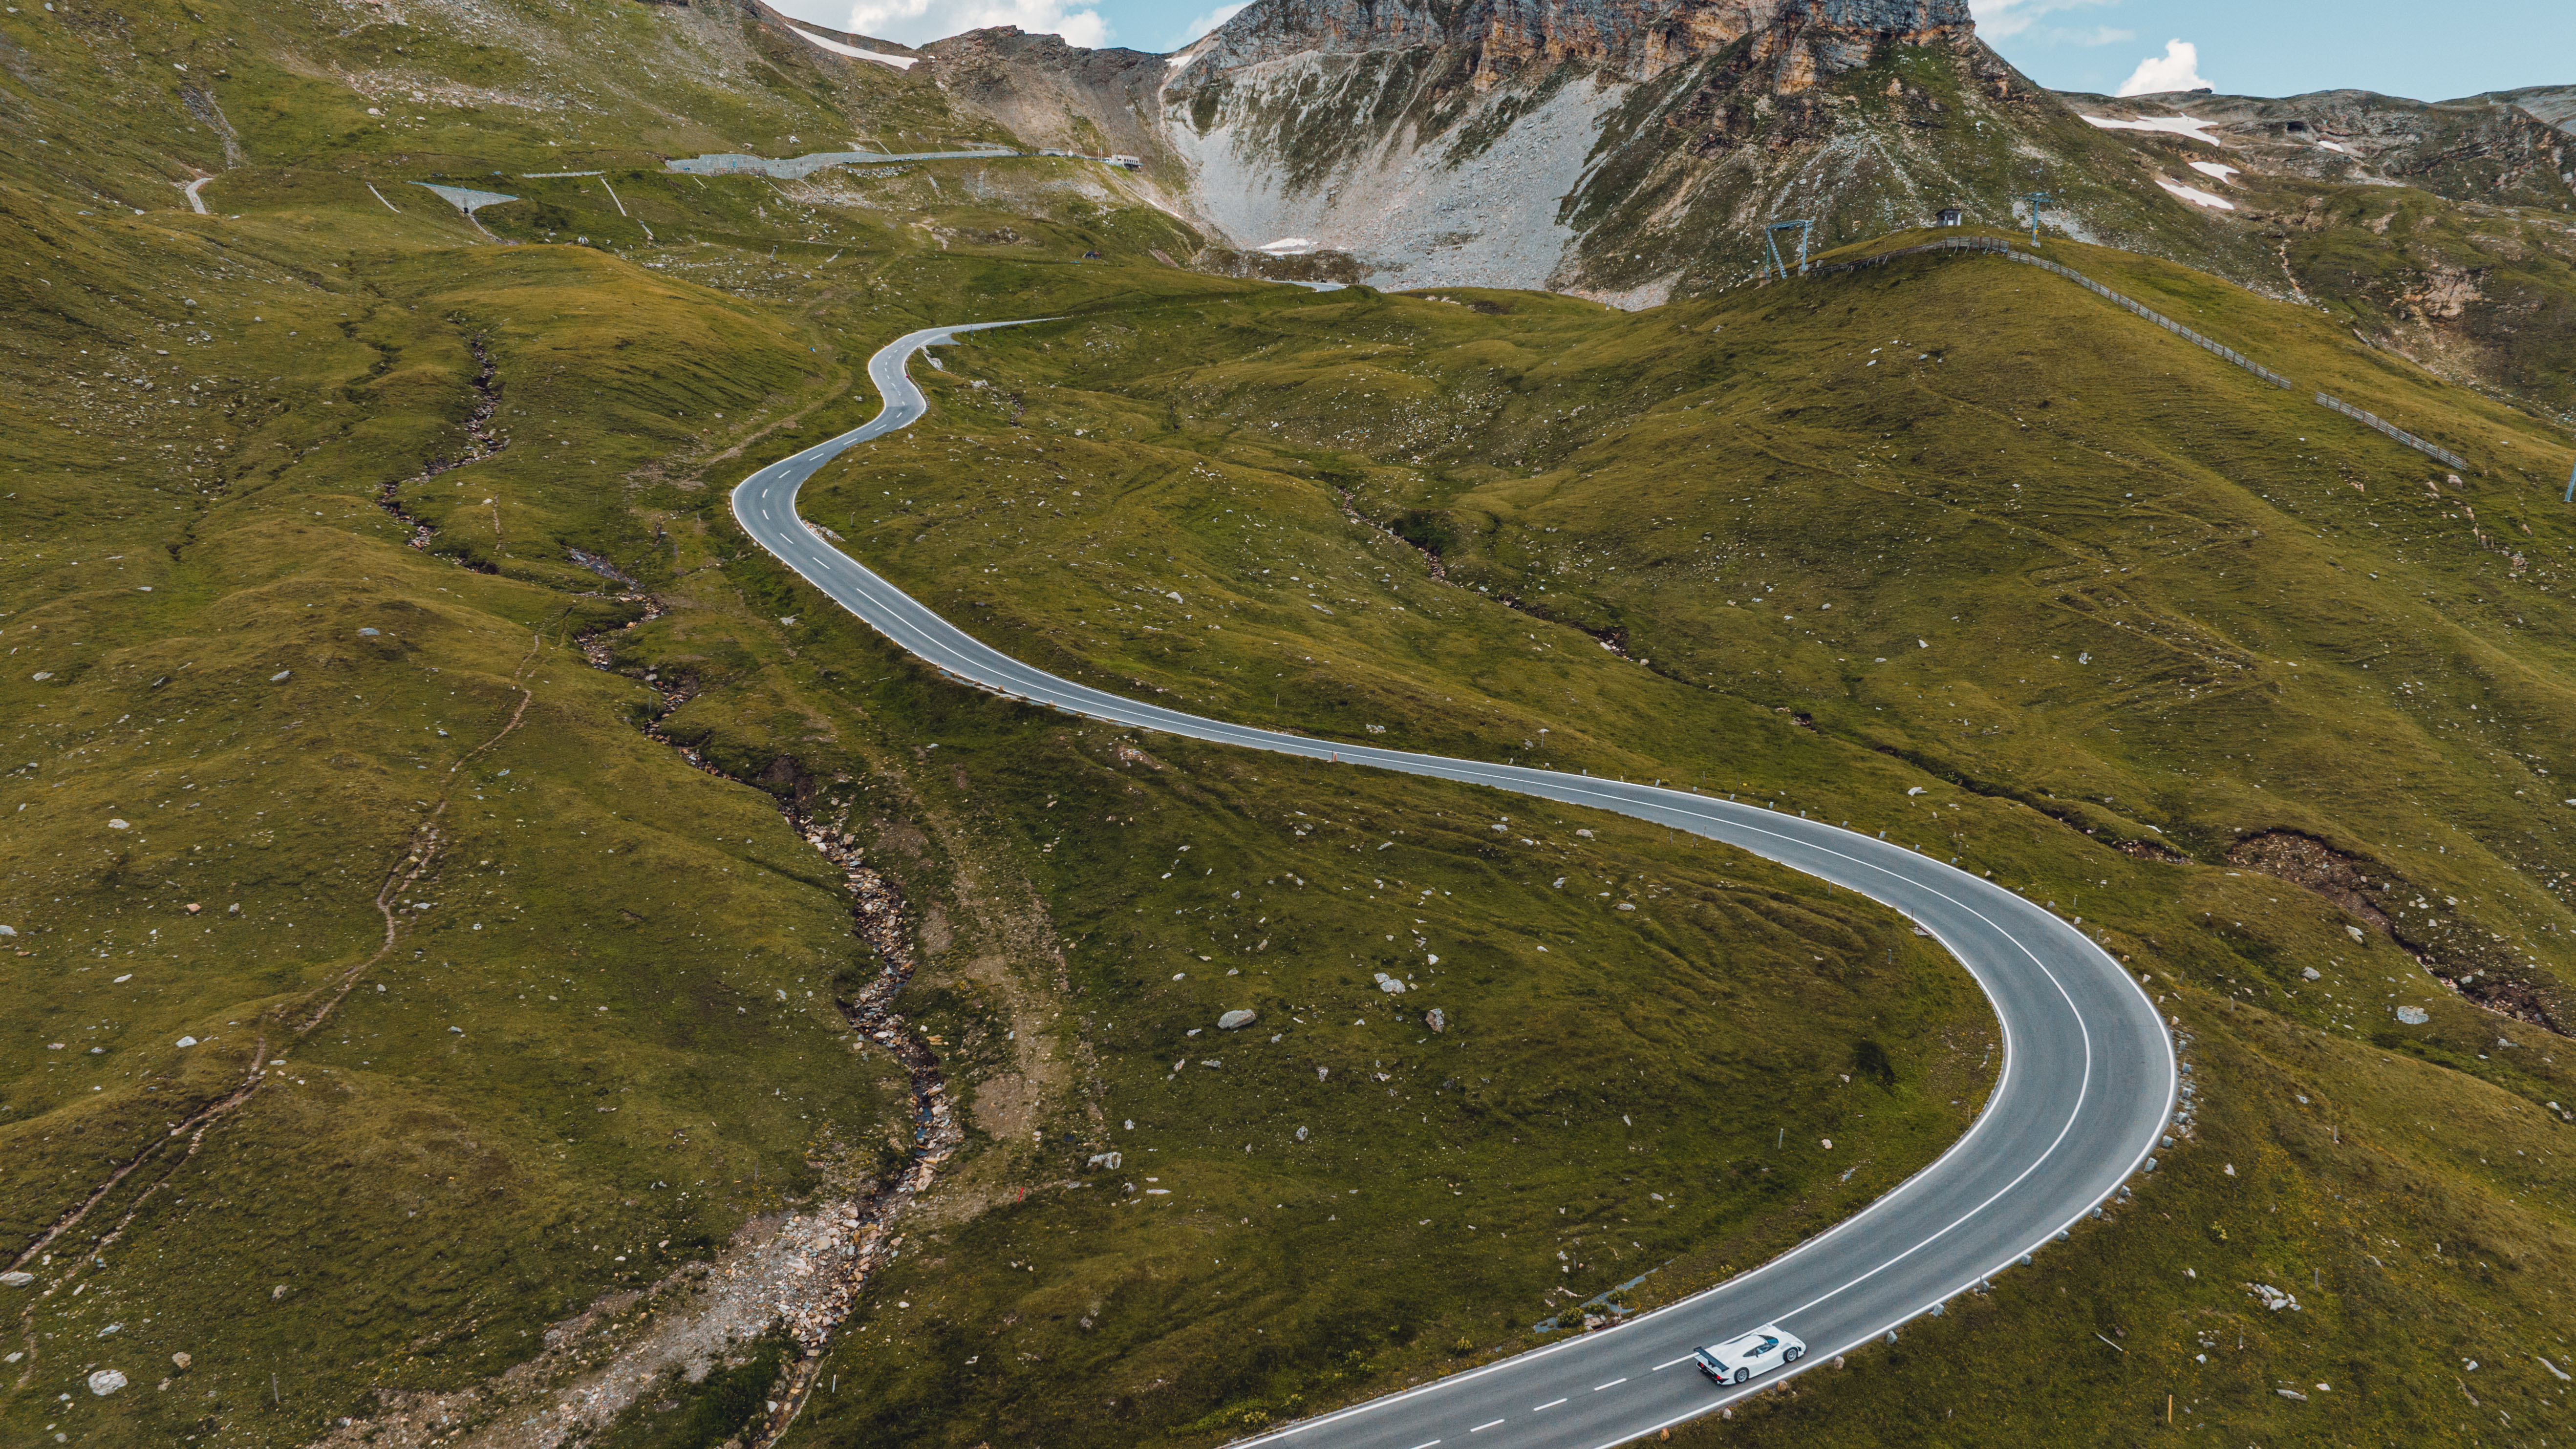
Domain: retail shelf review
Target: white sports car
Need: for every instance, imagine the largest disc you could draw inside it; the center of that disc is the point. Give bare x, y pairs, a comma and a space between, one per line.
1760, 1351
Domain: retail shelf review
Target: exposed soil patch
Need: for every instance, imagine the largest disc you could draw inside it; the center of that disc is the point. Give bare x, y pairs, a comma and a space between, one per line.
2311, 864
482, 441
2428, 925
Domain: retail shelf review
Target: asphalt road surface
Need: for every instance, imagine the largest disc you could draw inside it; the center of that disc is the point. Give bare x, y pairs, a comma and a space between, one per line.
2087, 1083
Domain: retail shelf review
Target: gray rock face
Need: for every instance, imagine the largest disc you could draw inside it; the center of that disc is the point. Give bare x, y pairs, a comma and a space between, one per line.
1044, 89
1235, 1020
1634, 39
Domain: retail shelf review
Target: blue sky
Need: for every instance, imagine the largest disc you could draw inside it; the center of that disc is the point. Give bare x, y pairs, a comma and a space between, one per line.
2266, 48
2243, 47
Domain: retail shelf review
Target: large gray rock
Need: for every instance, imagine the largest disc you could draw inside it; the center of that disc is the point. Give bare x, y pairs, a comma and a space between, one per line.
2413, 1015
1235, 1020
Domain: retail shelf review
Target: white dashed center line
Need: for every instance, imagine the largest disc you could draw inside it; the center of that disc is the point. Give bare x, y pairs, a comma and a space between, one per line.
1481, 1428
1685, 1358
1550, 1404
1614, 1383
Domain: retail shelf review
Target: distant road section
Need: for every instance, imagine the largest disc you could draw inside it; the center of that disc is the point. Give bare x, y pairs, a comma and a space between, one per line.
2088, 1078
792, 168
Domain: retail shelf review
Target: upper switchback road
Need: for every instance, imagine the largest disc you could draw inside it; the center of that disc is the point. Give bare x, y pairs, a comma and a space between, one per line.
2087, 1083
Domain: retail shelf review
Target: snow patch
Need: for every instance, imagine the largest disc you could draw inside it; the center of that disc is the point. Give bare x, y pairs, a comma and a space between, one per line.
1287, 246
2196, 195
899, 62
2197, 130
2331, 146
2212, 168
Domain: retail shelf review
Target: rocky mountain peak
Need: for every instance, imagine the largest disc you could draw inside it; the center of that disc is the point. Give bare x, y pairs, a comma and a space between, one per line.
1632, 39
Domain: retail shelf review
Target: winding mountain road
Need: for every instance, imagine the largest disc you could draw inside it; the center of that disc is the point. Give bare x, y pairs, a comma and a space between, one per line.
2087, 1084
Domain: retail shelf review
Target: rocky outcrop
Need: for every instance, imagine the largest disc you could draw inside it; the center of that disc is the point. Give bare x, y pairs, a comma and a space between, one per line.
1631, 40
1049, 93
1619, 150
2515, 148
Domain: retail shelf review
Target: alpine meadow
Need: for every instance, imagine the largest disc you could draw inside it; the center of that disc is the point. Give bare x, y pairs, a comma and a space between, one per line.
504, 952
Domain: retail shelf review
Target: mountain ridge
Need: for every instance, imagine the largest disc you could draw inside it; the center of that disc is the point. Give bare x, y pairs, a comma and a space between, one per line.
1630, 153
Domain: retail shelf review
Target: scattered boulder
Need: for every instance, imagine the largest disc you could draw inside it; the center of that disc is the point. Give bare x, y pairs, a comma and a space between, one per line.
105, 1382
1389, 984
2311, 973
2413, 1015
1235, 1020
1301, 1134
2273, 1298
1436, 1019
1108, 1160
182, 1361
15, 1279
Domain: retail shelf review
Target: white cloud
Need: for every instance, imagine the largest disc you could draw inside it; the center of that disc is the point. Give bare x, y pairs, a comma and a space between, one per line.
918, 22
2000, 19
2178, 69
1208, 22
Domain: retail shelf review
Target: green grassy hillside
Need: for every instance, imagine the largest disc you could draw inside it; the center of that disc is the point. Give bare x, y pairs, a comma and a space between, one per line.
2156, 641
400, 723
514, 1029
